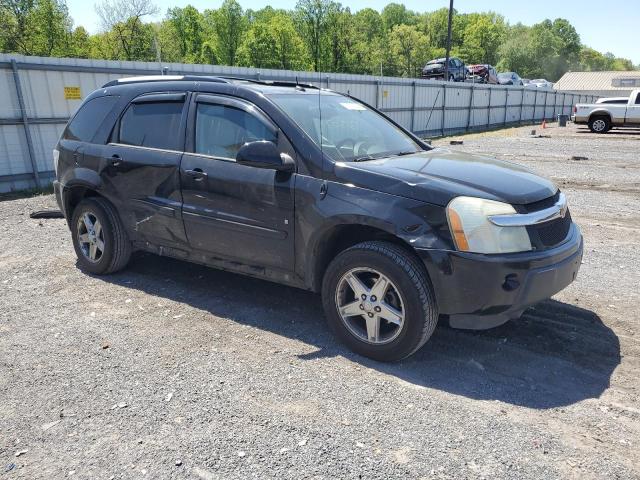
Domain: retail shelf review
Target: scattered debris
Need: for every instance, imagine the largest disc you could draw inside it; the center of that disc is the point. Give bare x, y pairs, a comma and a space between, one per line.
9, 467
302, 442
49, 425
284, 450
178, 463
21, 452
168, 397
105, 345
578, 157
242, 453
456, 142
47, 214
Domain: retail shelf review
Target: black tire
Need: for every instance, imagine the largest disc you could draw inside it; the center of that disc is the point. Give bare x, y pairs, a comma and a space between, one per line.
117, 247
410, 277
452, 78
599, 124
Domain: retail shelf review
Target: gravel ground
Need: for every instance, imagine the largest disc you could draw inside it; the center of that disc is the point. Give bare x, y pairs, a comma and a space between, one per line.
170, 370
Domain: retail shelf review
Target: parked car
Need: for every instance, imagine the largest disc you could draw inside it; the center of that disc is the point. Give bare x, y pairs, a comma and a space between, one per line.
482, 74
312, 189
527, 83
603, 116
541, 83
434, 69
509, 78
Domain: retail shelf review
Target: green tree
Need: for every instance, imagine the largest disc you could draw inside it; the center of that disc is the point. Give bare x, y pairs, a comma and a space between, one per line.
311, 17
187, 24
228, 25
410, 47
289, 45
483, 35
396, 14
129, 37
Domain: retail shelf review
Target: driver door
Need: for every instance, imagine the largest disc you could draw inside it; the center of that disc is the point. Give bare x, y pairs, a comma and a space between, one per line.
232, 211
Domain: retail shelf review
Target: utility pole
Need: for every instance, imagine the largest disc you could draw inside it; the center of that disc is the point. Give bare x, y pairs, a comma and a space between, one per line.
446, 65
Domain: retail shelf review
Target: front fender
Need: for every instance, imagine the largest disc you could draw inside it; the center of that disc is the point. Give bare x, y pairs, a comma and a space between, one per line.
416, 223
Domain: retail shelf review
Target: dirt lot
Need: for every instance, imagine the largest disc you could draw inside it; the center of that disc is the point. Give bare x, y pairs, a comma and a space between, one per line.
170, 370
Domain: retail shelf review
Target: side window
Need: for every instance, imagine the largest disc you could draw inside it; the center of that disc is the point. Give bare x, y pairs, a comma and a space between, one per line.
152, 124
86, 122
221, 130
638, 99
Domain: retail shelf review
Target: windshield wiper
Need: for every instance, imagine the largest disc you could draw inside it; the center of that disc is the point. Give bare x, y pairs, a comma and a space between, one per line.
408, 152
364, 158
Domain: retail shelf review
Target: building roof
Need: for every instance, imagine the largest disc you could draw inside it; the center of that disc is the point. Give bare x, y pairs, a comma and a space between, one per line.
600, 81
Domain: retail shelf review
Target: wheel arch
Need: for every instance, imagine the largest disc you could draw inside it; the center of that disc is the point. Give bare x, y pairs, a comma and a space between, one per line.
338, 238
73, 194
600, 113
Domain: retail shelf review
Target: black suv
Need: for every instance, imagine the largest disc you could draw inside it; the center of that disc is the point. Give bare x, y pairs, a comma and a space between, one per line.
317, 190
434, 69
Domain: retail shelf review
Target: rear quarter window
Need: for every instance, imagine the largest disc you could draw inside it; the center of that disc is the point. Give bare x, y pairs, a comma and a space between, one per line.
85, 124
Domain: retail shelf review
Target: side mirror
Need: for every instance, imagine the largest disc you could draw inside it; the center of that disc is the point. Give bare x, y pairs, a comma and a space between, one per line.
264, 154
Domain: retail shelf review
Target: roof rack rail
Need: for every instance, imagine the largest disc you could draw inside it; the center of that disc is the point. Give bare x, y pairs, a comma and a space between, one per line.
165, 78
273, 83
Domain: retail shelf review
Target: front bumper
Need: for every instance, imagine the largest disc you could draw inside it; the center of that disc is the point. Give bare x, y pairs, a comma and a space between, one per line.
481, 291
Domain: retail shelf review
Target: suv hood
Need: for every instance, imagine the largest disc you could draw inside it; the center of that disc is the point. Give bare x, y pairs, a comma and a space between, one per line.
437, 176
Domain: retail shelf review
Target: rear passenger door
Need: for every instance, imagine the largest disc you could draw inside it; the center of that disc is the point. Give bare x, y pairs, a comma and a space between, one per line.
234, 211
142, 162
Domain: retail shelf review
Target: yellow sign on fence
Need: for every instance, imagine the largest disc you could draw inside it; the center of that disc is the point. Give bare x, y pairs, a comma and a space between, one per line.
72, 93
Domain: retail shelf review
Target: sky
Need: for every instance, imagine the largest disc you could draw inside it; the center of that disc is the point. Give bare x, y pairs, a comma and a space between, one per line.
606, 27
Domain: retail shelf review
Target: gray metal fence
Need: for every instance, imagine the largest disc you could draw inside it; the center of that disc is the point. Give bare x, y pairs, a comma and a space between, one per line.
39, 94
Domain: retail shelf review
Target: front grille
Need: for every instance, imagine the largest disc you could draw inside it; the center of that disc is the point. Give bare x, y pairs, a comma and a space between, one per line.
550, 234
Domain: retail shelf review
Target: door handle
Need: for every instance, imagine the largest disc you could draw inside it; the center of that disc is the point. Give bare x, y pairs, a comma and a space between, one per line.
116, 160
197, 174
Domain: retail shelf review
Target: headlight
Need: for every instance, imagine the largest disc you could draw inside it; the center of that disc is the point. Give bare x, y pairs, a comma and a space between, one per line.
473, 232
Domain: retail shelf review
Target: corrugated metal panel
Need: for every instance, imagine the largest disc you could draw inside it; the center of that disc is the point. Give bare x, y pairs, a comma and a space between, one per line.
414, 103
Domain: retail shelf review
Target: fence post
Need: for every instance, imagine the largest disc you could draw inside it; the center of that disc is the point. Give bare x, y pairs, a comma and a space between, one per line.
522, 95
413, 104
444, 105
378, 94
489, 107
506, 105
25, 123
555, 104
471, 109
544, 110
535, 105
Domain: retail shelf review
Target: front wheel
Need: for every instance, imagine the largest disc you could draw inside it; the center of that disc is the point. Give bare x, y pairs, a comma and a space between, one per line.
378, 300
599, 124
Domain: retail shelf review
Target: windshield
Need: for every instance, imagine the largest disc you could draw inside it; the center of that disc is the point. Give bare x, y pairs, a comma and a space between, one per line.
504, 76
349, 131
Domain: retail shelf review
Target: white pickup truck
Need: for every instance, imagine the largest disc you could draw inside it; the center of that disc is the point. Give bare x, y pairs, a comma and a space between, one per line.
601, 117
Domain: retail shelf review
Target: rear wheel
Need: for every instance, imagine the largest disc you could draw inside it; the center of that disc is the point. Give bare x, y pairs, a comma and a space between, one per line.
378, 301
99, 239
599, 124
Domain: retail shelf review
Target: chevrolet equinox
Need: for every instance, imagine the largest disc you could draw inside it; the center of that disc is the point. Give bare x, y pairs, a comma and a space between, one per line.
317, 190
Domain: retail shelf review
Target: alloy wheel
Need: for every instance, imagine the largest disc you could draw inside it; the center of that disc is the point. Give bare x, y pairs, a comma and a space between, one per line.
370, 305
90, 237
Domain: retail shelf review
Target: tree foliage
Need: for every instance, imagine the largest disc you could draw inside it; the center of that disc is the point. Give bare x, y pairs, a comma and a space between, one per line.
320, 35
